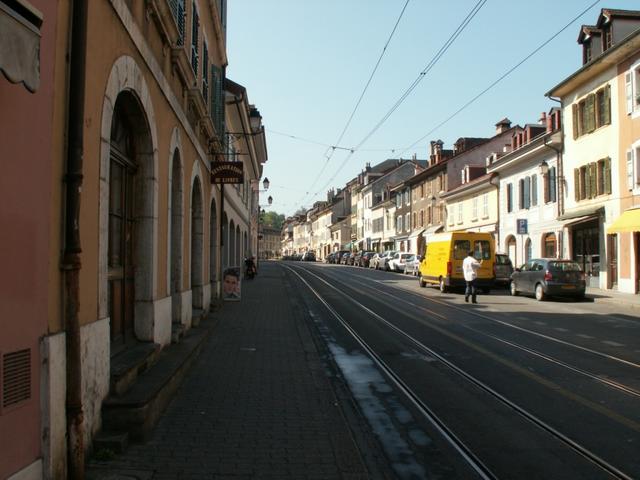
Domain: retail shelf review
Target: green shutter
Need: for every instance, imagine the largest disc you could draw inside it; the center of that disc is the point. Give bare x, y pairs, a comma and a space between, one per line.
607, 105
574, 111
217, 102
607, 175
592, 170
576, 184
590, 112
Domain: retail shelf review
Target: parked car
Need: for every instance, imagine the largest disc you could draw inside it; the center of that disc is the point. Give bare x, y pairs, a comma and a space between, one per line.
396, 264
329, 257
502, 268
309, 257
374, 260
356, 258
351, 258
345, 258
338, 256
366, 258
544, 277
412, 265
383, 260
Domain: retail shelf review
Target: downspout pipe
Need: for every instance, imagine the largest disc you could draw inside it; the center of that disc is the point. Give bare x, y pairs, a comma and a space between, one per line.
560, 176
71, 259
495, 181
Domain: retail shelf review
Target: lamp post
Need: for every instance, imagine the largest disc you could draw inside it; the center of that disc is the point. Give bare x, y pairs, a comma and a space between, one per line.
265, 184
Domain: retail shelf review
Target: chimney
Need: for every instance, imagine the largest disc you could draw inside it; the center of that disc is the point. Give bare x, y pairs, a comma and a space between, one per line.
503, 125
543, 119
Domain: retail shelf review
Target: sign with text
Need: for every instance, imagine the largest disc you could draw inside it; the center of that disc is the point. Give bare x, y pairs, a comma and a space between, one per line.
227, 172
522, 226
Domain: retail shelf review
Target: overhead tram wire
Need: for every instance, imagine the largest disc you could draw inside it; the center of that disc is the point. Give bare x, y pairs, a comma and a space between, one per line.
502, 77
332, 148
474, 11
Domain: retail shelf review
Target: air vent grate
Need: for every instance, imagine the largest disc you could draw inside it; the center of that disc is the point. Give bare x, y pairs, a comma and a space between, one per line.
16, 377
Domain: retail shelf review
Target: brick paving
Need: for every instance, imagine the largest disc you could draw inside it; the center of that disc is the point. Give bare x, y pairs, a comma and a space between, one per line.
257, 403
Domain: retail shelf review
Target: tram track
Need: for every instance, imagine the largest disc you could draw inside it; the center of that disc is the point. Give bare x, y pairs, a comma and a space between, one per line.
477, 465
593, 376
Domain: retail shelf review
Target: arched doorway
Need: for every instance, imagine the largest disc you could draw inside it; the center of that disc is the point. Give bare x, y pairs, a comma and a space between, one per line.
224, 239
232, 243
213, 244
197, 245
238, 244
130, 218
512, 251
177, 219
527, 250
549, 245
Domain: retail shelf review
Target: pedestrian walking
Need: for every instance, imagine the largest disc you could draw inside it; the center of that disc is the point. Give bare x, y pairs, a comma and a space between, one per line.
470, 268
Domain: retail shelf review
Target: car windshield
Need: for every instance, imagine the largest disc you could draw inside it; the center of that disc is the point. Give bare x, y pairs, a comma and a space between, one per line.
565, 266
502, 260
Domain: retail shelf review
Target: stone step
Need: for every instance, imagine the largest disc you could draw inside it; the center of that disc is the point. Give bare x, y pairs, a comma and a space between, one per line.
110, 441
139, 408
132, 362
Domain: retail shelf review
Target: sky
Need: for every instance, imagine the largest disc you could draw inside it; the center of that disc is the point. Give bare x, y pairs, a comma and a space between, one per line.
305, 65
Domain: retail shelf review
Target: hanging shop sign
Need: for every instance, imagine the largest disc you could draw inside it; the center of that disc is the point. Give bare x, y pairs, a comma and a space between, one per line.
227, 172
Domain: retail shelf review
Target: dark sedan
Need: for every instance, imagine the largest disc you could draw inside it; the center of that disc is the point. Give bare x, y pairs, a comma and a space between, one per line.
544, 277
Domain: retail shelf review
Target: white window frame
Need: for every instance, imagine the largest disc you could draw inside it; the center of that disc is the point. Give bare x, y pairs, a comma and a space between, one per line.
485, 205
635, 162
632, 90
474, 209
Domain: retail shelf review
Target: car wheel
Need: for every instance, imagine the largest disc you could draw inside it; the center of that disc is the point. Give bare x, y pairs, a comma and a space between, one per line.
513, 290
540, 296
443, 287
422, 282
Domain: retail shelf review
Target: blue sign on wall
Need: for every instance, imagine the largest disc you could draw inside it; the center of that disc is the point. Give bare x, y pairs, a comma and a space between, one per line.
521, 226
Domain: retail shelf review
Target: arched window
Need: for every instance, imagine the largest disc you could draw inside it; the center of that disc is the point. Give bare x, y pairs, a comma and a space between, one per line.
549, 246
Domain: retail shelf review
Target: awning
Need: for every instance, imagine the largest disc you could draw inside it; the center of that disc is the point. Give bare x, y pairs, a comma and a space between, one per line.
20, 44
433, 229
416, 233
629, 221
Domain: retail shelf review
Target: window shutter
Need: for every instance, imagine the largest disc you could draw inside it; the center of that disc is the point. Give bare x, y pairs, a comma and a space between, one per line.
546, 183
552, 184
628, 91
574, 111
534, 190
629, 169
527, 193
592, 189
194, 40
607, 176
205, 73
591, 113
509, 197
576, 184
607, 105
217, 101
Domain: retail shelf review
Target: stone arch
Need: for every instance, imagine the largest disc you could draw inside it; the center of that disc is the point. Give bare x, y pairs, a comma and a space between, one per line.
527, 250
232, 243
197, 244
512, 251
213, 242
224, 239
176, 224
238, 245
549, 245
127, 94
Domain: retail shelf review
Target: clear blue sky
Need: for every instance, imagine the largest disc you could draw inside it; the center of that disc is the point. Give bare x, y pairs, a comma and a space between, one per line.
305, 64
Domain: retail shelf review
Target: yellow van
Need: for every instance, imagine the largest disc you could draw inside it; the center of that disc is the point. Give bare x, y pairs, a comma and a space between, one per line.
444, 253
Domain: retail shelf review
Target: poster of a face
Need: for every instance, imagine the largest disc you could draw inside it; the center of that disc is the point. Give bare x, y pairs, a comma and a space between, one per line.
231, 284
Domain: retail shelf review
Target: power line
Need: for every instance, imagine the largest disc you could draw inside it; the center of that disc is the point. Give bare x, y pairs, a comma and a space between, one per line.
474, 11
333, 148
502, 77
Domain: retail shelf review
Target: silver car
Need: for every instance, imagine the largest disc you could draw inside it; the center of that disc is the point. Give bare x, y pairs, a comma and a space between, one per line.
412, 265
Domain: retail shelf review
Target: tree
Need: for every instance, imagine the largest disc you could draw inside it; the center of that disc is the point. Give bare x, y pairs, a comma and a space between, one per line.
272, 219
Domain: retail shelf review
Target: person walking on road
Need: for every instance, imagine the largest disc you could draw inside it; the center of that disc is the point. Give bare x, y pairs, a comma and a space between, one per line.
470, 268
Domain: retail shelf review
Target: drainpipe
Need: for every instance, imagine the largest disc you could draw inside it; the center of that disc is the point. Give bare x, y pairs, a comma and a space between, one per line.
71, 261
560, 176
